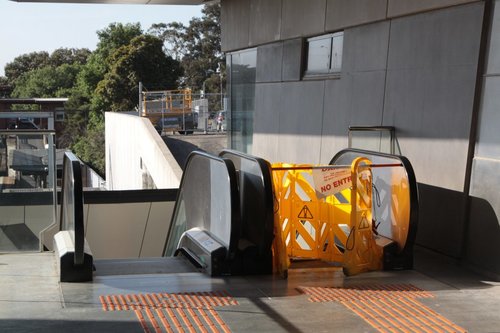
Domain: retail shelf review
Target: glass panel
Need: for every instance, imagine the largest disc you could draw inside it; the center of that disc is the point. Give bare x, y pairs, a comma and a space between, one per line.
27, 178
204, 201
375, 140
337, 46
318, 57
242, 99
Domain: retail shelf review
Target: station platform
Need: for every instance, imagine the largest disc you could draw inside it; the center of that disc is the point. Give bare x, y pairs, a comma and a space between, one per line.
165, 294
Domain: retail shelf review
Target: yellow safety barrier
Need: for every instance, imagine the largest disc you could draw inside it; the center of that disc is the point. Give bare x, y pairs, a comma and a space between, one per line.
333, 228
361, 253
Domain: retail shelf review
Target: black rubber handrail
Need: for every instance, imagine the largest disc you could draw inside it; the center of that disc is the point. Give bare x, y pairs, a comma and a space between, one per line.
71, 217
265, 219
234, 201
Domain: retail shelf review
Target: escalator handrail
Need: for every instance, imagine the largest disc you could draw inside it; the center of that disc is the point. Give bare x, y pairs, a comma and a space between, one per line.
266, 179
235, 207
413, 189
72, 186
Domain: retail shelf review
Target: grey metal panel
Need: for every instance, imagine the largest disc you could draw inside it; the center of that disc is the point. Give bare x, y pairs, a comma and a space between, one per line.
300, 122
336, 117
493, 63
355, 99
431, 111
303, 18
488, 144
268, 99
292, 60
405, 7
341, 14
483, 238
365, 47
235, 23
441, 38
265, 18
430, 90
269, 62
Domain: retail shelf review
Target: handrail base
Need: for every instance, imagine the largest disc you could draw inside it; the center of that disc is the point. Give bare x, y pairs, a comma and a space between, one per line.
64, 249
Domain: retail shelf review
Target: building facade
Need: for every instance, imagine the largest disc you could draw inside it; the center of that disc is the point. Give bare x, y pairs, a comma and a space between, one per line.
301, 72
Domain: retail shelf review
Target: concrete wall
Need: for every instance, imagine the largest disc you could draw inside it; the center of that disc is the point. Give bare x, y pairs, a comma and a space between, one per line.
127, 230
135, 151
408, 64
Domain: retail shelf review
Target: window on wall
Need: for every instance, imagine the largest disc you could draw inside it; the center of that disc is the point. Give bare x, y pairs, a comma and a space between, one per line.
324, 54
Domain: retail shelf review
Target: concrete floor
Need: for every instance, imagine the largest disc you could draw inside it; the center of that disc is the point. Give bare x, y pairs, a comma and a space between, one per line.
32, 299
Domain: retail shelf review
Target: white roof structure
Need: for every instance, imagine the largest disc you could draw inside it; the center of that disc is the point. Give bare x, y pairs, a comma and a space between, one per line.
137, 2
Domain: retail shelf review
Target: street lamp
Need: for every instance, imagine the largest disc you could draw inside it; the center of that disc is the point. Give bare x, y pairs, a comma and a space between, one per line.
219, 70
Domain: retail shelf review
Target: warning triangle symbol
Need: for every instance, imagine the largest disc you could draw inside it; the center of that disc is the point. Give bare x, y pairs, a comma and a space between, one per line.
364, 224
305, 213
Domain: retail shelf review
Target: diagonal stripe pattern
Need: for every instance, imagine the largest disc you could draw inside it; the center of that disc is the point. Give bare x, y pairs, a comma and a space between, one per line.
178, 312
387, 308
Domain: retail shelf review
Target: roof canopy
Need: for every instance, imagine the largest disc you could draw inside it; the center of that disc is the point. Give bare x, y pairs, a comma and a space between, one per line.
139, 2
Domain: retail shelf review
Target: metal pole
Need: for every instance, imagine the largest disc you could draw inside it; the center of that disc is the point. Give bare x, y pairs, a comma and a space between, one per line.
140, 98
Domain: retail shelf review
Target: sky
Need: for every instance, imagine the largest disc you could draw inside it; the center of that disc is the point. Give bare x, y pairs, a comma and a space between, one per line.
29, 27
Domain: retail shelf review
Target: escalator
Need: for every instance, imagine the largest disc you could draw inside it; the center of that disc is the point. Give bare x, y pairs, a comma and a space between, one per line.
237, 214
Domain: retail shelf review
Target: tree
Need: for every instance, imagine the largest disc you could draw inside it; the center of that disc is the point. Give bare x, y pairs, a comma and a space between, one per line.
109, 82
63, 56
111, 38
47, 81
5, 87
25, 63
198, 46
143, 60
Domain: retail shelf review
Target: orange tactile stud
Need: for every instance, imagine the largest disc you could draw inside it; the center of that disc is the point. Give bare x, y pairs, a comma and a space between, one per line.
176, 312
387, 308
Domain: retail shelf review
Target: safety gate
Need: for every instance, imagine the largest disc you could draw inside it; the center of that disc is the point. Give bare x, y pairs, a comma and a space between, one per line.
328, 213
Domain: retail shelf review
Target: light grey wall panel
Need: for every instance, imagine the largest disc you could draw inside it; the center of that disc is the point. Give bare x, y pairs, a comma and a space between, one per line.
235, 23
347, 13
483, 240
157, 226
430, 90
266, 120
292, 60
355, 99
493, 64
265, 18
336, 116
443, 38
300, 122
303, 18
365, 48
269, 62
488, 145
405, 7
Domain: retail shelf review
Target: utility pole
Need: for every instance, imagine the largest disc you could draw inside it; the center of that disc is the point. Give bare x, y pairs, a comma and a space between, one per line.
140, 98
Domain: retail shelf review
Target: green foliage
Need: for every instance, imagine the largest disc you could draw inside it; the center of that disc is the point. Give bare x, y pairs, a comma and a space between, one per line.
63, 56
5, 87
90, 147
198, 46
47, 81
140, 61
25, 63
